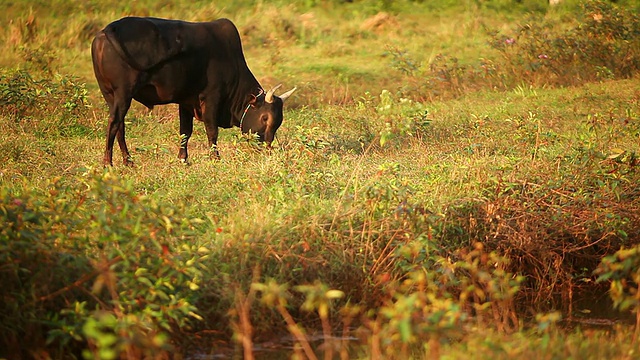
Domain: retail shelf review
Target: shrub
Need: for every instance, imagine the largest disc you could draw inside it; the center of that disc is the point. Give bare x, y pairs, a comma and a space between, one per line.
24, 95
622, 270
603, 44
36, 261
112, 271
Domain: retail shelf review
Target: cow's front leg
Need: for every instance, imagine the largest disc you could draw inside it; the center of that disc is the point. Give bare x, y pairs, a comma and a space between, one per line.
186, 129
212, 135
211, 126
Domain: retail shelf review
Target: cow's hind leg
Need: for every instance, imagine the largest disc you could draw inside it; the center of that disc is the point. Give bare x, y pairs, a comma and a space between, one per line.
115, 128
186, 129
126, 156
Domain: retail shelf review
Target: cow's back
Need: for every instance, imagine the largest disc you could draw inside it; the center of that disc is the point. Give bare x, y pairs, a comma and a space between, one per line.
146, 42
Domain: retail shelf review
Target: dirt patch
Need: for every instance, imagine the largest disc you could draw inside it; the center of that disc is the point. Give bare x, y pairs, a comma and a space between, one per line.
380, 21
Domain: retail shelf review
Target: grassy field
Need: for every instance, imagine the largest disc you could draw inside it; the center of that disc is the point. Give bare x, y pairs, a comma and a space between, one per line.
452, 179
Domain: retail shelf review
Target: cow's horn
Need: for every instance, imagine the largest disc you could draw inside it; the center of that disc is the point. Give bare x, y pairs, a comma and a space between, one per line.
287, 94
269, 97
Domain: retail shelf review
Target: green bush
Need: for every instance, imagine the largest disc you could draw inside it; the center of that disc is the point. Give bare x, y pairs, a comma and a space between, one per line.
604, 43
112, 271
622, 270
25, 95
37, 260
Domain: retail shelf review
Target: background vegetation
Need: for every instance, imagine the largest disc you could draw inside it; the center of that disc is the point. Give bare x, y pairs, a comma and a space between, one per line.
452, 178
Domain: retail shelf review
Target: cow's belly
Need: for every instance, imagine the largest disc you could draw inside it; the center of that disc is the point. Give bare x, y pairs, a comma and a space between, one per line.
149, 96
175, 82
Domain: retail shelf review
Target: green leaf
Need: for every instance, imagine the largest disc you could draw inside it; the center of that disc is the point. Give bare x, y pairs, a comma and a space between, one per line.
405, 330
193, 286
195, 316
615, 153
145, 281
383, 140
334, 294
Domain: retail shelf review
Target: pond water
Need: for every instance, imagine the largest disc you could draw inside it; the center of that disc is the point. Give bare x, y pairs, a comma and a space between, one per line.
281, 347
591, 308
586, 310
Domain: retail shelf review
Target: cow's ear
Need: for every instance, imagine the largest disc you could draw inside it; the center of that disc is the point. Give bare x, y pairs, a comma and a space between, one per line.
253, 100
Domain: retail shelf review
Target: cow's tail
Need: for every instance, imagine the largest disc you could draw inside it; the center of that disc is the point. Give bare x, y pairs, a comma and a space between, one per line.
124, 54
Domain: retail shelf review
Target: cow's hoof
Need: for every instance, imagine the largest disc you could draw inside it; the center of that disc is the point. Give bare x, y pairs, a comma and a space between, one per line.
185, 162
214, 155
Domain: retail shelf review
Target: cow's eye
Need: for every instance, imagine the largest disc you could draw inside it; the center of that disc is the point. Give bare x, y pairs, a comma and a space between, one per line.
264, 118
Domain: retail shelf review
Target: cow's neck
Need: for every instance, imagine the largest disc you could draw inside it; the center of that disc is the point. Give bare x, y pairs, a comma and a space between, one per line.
246, 108
242, 104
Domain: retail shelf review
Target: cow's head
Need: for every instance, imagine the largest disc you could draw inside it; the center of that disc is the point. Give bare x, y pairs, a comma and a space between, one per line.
263, 115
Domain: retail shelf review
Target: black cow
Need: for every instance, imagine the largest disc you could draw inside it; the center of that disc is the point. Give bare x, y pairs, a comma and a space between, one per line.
199, 66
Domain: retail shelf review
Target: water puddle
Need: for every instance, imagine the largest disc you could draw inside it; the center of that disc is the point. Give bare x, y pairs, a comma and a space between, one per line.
279, 348
593, 309
586, 310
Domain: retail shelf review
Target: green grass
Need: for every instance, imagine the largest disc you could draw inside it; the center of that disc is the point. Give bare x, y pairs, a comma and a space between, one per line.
392, 166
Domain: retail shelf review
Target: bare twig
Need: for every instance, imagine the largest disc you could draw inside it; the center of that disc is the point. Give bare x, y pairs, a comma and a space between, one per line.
82, 280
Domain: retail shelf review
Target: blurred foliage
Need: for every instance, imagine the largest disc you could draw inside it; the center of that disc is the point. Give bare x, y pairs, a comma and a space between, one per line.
98, 264
603, 44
